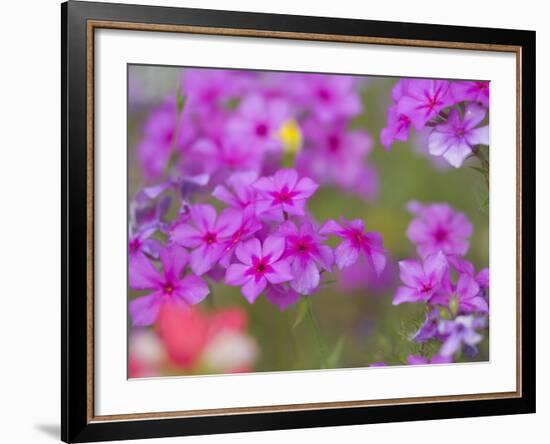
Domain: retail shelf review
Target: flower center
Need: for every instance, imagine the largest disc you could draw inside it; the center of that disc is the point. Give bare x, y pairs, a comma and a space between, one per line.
333, 143
426, 287
441, 234
135, 244
210, 238
283, 196
324, 94
168, 288
261, 130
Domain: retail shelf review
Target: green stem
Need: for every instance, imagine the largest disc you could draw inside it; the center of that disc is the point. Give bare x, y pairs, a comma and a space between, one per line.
316, 333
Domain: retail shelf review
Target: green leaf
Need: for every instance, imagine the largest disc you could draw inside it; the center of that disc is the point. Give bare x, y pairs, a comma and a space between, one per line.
302, 312
180, 100
336, 352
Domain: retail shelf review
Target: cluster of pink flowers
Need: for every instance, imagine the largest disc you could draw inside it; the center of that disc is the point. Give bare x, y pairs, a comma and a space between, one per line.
452, 113
456, 297
263, 241
227, 121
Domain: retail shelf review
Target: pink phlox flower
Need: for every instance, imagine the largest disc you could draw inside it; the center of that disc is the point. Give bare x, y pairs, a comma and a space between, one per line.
421, 280
476, 91
140, 242
259, 265
248, 227
397, 127
329, 97
167, 286
356, 241
333, 154
257, 122
239, 192
438, 227
283, 193
207, 235
306, 254
423, 99
464, 297
455, 138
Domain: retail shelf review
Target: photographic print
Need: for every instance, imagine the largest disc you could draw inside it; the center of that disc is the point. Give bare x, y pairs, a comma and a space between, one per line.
283, 221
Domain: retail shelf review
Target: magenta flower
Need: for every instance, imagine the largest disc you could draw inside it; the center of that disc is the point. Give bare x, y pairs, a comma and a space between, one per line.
333, 154
241, 192
477, 91
356, 241
455, 138
257, 122
465, 297
283, 193
306, 254
260, 265
397, 127
329, 97
439, 227
249, 225
420, 360
421, 280
140, 242
207, 235
166, 287
461, 330
422, 100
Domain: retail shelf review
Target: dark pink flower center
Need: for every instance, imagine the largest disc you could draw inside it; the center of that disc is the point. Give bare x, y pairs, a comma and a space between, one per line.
284, 196
168, 288
302, 245
426, 287
168, 136
334, 143
210, 238
261, 130
324, 94
135, 245
440, 234
260, 266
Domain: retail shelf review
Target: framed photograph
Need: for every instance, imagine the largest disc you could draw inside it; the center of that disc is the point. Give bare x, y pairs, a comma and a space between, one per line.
275, 221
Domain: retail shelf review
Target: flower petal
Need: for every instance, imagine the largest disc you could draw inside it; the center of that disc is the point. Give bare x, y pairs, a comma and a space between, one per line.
281, 272
186, 235
406, 294
173, 260
192, 289
411, 273
252, 289
236, 274
345, 254
281, 296
246, 250
306, 276
288, 177
203, 216
144, 310
274, 247
141, 273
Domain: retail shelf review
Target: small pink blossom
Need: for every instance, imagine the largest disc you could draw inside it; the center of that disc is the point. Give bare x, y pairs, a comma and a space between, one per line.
260, 264
356, 241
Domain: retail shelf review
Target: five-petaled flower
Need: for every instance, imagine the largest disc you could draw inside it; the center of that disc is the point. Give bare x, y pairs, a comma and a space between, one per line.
283, 194
207, 235
260, 264
306, 254
167, 286
455, 138
421, 280
356, 241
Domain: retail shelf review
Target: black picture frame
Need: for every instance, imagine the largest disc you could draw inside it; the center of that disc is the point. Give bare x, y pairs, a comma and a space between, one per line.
76, 327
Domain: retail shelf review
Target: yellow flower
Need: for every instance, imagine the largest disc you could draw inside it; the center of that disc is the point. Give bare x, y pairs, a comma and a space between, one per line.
291, 137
